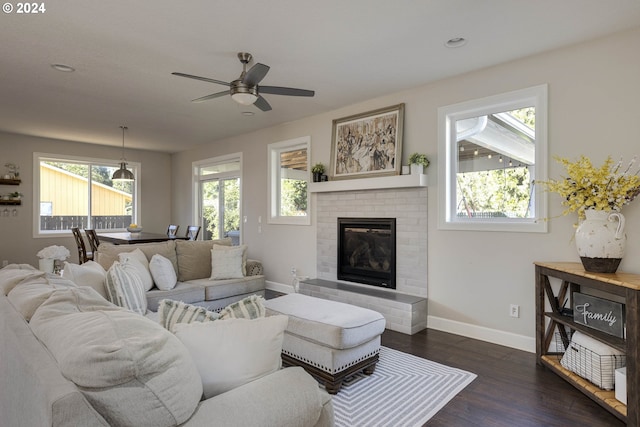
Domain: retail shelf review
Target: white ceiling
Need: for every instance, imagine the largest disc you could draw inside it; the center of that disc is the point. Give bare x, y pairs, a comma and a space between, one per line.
346, 50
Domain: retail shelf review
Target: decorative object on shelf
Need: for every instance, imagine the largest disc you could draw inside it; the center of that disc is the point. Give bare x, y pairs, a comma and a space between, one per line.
418, 163
49, 255
16, 195
317, 170
601, 241
597, 195
123, 174
368, 144
13, 171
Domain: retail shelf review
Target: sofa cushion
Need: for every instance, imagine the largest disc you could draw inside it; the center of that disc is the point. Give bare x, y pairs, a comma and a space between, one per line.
171, 312
183, 291
228, 262
108, 254
89, 274
32, 292
125, 289
131, 370
194, 258
217, 289
137, 262
164, 276
13, 274
233, 352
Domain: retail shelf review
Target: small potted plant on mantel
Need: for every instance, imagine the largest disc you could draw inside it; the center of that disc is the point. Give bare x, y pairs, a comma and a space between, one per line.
418, 162
317, 170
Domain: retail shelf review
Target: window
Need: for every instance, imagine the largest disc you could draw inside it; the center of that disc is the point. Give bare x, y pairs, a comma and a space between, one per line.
288, 181
78, 192
491, 152
218, 197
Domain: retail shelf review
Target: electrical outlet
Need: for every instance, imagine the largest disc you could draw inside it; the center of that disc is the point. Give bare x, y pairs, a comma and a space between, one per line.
514, 310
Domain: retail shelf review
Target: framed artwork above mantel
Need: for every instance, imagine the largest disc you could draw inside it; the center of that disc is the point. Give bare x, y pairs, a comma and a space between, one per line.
368, 145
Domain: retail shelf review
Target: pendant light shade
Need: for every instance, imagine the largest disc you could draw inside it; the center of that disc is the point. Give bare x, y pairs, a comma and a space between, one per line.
123, 174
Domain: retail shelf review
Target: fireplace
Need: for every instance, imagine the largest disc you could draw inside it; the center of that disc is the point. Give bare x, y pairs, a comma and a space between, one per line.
367, 251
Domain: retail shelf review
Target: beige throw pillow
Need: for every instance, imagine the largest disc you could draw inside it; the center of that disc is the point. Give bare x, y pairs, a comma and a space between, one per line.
164, 276
233, 352
194, 258
88, 274
228, 262
136, 262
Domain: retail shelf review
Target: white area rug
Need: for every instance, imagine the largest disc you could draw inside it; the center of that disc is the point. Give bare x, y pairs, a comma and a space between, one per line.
404, 391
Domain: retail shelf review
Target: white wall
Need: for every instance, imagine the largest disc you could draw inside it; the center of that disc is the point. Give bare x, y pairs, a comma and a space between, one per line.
473, 276
17, 244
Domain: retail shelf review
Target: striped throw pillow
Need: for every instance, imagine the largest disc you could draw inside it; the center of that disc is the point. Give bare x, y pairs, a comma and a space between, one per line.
125, 289
251, 307
171, 312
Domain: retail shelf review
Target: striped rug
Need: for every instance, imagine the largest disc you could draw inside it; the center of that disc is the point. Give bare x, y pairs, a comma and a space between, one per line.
404, 391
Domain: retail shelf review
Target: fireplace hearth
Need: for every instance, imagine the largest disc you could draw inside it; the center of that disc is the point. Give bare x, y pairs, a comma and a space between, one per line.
367, 251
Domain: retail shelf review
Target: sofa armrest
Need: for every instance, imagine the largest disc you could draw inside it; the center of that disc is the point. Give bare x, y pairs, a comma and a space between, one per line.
254, 268
288, 397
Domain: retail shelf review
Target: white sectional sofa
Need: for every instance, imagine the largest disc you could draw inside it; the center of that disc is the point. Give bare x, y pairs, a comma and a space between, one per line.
71, 358
192, 263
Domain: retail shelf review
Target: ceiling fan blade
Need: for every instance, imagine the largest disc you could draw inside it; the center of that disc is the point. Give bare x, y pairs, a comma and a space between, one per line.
255, 74
289, 91
213, 95
262, 104
204, 79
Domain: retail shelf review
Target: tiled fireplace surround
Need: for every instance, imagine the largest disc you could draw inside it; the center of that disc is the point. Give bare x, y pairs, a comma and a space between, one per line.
404, 308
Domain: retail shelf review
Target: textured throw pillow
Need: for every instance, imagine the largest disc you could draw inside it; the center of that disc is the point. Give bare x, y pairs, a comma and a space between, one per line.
194, 258
228, 262
13, 274
137, 262
234, 352
129, 368
32, 292
89, 274
164, 276
171, 312
251, 307
124, 288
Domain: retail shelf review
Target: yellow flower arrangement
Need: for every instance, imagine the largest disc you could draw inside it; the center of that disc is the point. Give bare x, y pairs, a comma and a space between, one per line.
606, 188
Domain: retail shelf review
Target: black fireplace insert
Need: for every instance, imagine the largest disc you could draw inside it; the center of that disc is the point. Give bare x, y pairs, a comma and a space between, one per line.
367, 251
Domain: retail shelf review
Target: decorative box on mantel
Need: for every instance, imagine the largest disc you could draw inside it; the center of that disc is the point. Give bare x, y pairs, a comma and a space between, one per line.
395, 181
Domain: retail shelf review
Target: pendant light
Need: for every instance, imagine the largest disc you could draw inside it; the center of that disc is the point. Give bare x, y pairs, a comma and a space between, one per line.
123, 174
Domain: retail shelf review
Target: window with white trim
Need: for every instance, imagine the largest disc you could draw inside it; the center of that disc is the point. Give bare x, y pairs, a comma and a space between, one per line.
288, 181
78, 192
491, 152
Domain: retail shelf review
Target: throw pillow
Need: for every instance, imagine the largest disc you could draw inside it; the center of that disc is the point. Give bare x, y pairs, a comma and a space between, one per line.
88, 274
163, 273
228, 262
171, 312
234, 352
124, 288
31, 293
130, 369
251, 307
194, 258
137, 262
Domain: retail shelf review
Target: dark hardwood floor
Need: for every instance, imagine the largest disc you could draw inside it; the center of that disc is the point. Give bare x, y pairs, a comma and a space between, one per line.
510, 391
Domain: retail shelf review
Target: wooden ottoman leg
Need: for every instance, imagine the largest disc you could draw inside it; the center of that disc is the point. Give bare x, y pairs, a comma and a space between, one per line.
333, 387
369, 369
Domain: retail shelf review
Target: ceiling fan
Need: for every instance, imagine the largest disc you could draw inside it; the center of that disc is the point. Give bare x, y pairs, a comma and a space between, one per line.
245, 89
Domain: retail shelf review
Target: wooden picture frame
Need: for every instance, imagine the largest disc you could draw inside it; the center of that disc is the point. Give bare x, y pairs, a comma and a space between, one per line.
368, 145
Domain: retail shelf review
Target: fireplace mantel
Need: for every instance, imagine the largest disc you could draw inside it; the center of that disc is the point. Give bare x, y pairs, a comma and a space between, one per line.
396, 181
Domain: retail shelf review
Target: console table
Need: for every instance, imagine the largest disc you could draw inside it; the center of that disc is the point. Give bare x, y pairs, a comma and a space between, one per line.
573, 278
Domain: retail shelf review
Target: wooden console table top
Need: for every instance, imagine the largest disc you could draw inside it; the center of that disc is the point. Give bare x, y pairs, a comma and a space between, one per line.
627, 280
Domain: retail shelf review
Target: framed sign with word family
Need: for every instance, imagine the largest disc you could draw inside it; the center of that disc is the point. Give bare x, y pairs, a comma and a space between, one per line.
599, 313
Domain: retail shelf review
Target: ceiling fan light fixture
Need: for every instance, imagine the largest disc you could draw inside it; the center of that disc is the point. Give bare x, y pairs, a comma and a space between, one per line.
123, 174
244, 98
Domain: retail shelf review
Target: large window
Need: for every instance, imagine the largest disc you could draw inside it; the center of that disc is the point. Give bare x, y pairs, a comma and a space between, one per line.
218, 197
78, 192
491, 153
288, 180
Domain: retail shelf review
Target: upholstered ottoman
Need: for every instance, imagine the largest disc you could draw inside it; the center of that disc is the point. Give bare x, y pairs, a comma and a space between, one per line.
331, 340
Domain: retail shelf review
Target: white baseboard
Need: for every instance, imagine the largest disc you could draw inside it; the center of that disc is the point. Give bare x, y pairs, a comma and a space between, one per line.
507, 339
279, 287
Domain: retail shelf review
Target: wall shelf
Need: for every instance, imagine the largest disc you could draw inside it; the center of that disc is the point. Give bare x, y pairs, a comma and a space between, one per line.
11, 202
396, 181
10, 181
